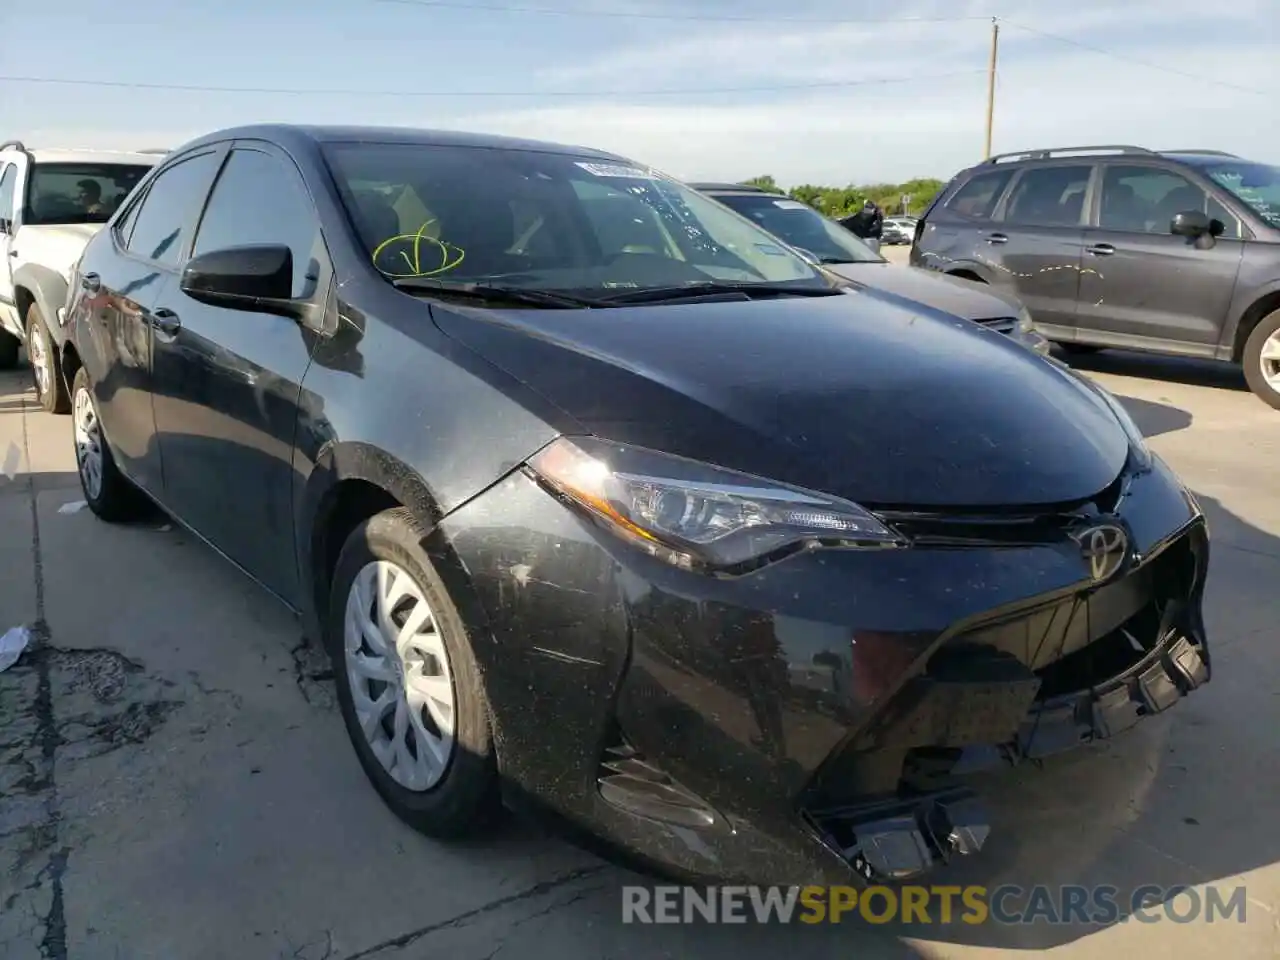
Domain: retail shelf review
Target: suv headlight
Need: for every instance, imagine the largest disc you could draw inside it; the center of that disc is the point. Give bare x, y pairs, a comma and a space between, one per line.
698, 516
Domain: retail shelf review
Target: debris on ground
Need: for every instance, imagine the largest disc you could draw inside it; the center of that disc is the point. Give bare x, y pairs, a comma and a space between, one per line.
12, 644
75, 506
12, 458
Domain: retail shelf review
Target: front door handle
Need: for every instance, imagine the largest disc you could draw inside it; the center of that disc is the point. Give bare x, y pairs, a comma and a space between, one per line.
997, 238
1100, 250
91, 283
166, 321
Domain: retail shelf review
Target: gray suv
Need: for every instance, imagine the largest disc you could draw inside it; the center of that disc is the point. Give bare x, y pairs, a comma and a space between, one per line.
1174, 252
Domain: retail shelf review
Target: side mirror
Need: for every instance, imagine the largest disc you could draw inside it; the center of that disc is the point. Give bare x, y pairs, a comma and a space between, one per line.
256, 277
1191, 223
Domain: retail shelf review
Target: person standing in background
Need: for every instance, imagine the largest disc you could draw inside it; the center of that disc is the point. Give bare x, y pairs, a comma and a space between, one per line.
867, 225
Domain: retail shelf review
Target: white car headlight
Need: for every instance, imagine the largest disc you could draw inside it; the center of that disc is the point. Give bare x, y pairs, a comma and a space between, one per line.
695, 515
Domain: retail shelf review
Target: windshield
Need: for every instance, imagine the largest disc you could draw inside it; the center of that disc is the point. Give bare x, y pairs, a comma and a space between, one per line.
803, 227
1255, 184
547, 221
60, 193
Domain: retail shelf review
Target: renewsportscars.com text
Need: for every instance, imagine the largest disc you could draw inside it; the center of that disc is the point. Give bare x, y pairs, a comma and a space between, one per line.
934, 904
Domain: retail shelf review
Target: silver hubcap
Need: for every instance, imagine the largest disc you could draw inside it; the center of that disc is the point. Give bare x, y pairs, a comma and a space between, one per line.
88, 435
1270, 361
39, 361
399, 673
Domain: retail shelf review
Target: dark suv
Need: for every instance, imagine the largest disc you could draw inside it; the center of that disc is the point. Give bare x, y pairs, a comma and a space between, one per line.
1173, 252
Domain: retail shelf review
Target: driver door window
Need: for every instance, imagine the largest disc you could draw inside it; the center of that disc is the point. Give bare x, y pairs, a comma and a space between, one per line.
1137, 199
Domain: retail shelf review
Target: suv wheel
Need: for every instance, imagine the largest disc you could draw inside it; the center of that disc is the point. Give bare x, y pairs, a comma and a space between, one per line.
408, 684
1262, 359
50, 387
9, 345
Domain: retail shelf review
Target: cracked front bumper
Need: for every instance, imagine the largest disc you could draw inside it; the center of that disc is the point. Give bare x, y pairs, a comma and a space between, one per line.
815, 721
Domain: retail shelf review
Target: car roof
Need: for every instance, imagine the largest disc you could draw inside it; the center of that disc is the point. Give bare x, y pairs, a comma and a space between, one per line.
743, 188
89, 155
290, 135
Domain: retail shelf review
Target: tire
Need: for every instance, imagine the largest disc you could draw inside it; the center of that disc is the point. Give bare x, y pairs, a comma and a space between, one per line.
113, 498
466, 795
9, 347
51, 389
1257, 367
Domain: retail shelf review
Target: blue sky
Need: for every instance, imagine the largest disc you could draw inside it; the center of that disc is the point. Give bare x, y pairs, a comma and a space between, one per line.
811, 115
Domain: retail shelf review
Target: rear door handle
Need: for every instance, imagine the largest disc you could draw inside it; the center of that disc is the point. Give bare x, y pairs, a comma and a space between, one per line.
997, 238
1100, 250
166, 321
91, 283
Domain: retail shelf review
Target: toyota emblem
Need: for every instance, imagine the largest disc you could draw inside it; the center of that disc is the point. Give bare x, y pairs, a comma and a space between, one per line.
1104, 547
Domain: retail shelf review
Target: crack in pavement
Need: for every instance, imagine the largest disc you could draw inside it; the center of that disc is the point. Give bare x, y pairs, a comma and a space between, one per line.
53, 944
462, 919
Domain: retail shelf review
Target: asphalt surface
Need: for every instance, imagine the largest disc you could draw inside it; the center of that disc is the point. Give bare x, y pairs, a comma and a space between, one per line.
175, 782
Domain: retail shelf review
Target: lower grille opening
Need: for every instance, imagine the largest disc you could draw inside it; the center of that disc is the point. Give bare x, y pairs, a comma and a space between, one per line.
630, 782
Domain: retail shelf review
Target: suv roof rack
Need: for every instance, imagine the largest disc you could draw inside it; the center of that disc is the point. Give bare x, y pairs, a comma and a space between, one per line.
1204, 153
1065, 151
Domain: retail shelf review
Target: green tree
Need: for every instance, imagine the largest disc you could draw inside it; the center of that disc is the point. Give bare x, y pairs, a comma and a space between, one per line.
842, 201
764, 183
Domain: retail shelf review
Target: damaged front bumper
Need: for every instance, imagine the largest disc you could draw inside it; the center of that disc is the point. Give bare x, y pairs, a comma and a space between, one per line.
818, 720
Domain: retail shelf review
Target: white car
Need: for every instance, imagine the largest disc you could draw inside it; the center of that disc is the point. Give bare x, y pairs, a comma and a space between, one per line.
51, 203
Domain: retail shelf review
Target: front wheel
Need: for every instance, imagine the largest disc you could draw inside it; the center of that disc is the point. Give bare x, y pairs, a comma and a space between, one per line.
1262, 359
408, 684
51, 389
107, 491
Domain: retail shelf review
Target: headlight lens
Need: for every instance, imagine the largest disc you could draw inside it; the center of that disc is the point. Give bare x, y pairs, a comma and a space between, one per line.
695, 515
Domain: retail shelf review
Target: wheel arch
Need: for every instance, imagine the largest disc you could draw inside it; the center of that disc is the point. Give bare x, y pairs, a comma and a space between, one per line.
967, 273
47, 289
349, 483
1261, 307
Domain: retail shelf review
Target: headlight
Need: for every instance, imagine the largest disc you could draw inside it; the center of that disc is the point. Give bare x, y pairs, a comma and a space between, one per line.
1137, 442
694, 515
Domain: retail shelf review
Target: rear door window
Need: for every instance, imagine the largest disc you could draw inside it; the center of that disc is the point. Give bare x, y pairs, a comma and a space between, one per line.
977, 198
1049, 196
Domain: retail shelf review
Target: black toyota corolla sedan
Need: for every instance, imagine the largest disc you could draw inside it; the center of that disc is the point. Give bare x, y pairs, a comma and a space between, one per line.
606, 504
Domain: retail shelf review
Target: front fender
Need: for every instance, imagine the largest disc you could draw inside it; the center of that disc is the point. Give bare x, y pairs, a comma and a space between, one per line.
48, 289
1246, 296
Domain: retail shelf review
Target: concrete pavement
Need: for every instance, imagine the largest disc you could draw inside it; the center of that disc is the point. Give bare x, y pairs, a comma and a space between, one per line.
175, 782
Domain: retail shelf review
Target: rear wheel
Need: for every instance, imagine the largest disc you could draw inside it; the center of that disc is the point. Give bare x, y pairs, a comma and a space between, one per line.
1262, 359
107, 491
408, 685
9, 346
51, 389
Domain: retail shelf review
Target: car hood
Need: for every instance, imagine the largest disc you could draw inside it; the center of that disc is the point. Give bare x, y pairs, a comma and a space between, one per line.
955, 295
850, 395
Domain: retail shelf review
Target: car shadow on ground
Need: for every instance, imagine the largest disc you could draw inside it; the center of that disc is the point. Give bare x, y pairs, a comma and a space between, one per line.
1154, 419
1188, 370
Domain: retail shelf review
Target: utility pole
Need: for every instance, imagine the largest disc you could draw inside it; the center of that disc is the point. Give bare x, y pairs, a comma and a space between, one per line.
991, 83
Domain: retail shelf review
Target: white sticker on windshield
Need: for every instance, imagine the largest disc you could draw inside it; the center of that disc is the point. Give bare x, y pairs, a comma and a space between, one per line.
616, 170
790, 205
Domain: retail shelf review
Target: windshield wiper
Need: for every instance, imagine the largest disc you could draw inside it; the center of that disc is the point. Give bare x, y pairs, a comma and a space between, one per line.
493, 292
711, 288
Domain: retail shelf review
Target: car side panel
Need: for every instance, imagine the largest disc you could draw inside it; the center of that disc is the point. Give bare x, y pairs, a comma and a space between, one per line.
1259, 279
397, 404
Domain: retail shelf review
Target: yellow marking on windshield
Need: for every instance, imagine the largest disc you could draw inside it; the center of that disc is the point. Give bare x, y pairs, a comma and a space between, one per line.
450, 255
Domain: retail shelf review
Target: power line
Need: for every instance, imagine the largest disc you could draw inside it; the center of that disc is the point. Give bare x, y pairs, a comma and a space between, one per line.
295, 91
1134, 60
707, 18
